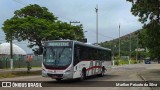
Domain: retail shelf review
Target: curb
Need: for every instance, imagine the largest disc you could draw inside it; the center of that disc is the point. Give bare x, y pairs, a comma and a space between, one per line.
144, 80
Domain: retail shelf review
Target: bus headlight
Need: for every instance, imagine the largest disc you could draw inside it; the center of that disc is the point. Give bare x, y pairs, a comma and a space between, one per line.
68, 72
44, 73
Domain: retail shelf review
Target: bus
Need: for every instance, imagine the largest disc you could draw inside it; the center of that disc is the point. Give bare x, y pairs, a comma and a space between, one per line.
68, 59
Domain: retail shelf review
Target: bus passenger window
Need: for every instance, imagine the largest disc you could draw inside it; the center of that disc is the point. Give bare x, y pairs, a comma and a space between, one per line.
76, 55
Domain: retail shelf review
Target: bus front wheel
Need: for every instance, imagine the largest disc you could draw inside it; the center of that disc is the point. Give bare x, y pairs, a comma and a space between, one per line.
58, 79
102, 72
83, 75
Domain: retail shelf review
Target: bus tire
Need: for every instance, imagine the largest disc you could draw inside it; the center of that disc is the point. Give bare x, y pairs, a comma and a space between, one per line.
58, 79
102, 72
83, 75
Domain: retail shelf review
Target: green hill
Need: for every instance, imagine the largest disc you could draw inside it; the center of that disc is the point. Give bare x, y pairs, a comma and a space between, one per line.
125, 45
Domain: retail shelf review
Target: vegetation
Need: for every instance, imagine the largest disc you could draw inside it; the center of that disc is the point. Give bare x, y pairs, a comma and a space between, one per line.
123, 62
36, 24
20, 73
125, 46
148, 12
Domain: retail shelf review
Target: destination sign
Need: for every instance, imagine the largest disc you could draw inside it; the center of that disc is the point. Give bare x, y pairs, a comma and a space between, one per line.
58, 44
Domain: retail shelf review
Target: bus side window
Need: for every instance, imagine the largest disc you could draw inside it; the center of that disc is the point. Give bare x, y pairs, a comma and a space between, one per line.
76, 55
84, 53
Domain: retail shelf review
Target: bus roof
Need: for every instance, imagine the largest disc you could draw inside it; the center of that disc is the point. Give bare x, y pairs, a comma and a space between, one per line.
83, 44
90, 45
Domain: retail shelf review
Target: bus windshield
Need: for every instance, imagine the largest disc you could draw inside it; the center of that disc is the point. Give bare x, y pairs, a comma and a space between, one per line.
57, 56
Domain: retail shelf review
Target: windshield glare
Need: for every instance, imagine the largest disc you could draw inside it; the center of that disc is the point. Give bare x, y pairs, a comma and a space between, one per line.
60, 56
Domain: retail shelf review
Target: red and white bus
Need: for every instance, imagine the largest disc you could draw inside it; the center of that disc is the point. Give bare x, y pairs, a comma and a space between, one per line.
67, 59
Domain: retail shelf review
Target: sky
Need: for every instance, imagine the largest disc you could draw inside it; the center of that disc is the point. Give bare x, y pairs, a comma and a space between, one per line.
111, 14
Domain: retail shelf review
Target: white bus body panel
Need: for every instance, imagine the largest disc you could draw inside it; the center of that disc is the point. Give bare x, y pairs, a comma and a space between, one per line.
92, 67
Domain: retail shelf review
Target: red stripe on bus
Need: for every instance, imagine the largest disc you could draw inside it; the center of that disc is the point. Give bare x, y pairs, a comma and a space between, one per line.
94, 67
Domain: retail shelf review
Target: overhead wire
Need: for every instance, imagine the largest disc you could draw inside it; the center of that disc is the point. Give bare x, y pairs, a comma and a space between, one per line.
102, 34
24, 3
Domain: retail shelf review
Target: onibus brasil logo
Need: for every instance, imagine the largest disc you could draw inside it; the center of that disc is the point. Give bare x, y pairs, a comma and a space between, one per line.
21, 84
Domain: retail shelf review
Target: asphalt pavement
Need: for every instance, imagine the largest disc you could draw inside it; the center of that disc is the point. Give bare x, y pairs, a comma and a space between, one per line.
134, 72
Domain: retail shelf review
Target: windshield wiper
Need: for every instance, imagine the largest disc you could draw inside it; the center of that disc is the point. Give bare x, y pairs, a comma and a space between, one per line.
54, 55
61, 52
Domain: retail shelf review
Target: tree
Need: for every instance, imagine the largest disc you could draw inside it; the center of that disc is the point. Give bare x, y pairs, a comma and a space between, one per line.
148, 12
149, 37
36, 24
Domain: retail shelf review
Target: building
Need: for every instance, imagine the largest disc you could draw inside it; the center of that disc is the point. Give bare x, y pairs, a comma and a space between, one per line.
5, 49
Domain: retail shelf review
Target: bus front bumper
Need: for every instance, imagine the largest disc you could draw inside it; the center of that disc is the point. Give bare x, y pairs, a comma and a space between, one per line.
66, 75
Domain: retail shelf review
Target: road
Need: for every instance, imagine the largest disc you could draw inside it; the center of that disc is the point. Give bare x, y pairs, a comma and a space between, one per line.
117, 73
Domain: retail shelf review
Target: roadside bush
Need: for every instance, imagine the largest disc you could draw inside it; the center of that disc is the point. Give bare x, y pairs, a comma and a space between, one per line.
117, 62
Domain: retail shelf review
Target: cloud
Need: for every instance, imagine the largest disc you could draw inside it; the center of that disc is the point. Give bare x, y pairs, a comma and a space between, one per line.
111, 14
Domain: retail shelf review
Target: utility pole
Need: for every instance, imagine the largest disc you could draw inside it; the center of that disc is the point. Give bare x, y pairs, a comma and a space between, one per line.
130, 48
96, 24
114, 45
11, 54
119, 43
74, 22
137, 51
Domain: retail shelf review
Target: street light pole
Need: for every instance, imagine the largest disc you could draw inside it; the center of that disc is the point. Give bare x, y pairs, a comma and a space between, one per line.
96, 24
11, 53
114, 45
137, 51
130, 50
119, 43
84, 33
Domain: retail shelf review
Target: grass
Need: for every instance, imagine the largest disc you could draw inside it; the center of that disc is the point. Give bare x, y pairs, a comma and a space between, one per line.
20, 73
123, 62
